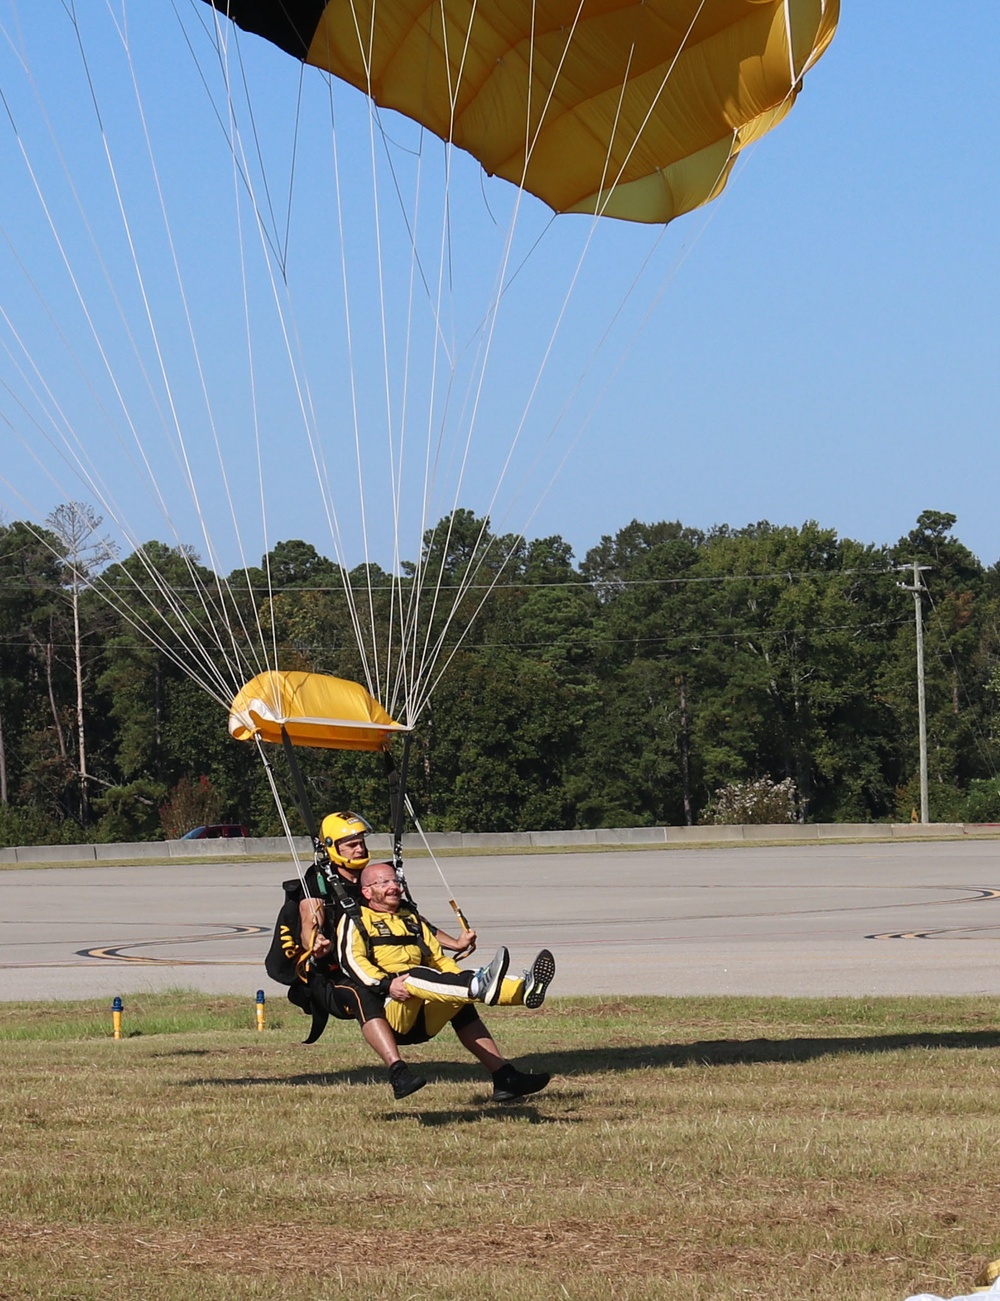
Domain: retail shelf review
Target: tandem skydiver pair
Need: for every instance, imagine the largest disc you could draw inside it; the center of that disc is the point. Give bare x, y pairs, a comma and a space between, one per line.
350, 943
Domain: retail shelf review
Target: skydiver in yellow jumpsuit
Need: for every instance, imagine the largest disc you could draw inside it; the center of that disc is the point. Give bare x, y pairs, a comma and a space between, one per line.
388, 949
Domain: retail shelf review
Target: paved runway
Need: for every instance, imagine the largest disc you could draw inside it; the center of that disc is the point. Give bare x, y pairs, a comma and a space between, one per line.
813, 920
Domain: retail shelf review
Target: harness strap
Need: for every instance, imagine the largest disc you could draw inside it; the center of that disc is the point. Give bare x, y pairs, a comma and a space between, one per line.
329, 883
373, 941
395, 941
301, 798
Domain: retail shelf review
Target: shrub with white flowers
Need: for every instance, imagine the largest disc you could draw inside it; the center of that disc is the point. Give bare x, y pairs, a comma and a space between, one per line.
759, 800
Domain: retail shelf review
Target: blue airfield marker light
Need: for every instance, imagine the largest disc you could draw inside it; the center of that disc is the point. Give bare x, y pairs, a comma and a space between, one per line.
260, 1009
116, 1017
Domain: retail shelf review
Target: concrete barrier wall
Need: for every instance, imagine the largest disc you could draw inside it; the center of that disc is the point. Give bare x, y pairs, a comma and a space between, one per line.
501, 842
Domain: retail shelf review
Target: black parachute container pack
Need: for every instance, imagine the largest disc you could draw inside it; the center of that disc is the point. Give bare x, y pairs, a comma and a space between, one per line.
281, 962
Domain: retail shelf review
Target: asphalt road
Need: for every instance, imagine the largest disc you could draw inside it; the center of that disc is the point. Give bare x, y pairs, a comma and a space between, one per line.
816, 920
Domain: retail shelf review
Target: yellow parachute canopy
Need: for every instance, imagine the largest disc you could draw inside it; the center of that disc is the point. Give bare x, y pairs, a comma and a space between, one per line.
313, 709
629, 108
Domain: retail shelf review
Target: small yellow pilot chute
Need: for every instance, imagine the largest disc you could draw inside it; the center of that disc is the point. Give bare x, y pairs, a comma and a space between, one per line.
311, 709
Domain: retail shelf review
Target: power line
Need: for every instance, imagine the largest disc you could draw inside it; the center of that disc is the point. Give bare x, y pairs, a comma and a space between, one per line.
525, 585
591, 642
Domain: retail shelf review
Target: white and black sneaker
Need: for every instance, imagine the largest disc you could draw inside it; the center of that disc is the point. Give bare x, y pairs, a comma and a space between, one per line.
538, 978
484, 987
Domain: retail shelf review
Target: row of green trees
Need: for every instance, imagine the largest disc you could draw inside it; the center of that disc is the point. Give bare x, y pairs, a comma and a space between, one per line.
630, 689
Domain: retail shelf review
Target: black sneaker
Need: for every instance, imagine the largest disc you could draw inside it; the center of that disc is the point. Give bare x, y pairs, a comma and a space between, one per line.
538, 978
510, 1083
403, 1081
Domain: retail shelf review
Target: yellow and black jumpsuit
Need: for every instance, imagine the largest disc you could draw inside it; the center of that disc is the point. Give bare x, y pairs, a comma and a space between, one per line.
322, 990
375, 947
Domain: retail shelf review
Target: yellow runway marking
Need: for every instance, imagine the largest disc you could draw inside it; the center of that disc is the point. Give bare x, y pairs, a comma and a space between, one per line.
117, 953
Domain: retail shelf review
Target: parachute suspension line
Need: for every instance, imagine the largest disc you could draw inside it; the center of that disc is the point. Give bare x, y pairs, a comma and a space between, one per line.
395, 457
437, 670
408, 661
209, 609
607, 382
792, 75
396, 778
365, 44
415, 675
230, 606
408, 674
181, 443
432, 462
654, 101
239, 173
232, 609
277, 244
254, 406
242, 173
307, 413
262, 170
199, 662
396, 622
69, 440
233, 614
212, 682
529, 402
403, 678
61, 437
329, 495
473, 571
216, 36
440, 871
397, 614
401, 681
708, 216
396, 450
795, 74
433, 649
430, 649
403, 614
588, 366
199, 667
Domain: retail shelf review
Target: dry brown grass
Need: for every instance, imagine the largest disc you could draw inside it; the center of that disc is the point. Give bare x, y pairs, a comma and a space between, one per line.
704, 1149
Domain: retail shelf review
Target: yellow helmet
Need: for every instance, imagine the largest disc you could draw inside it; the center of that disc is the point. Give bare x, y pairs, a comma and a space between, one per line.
341, 826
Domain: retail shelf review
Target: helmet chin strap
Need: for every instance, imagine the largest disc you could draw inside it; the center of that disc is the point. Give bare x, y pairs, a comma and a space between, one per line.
352, 864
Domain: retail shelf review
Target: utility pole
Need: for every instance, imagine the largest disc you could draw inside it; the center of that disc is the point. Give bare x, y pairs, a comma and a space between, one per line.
918, 590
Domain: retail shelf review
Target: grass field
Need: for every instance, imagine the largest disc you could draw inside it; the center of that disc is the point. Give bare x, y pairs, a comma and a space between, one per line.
703, 1149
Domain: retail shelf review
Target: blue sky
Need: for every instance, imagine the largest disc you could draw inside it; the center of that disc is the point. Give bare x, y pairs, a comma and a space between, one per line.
822, 342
